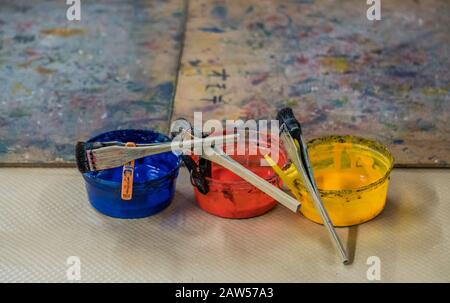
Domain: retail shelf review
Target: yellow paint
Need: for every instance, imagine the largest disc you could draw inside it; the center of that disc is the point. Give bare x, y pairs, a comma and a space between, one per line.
352, 175
289, 176
62, 32
434, 91
202, 69
18, 87
404, 88
189, 71
292, 102
335, 64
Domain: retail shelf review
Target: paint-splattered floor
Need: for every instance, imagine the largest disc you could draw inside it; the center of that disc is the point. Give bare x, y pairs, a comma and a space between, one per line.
65, 80
341, 73
61, 81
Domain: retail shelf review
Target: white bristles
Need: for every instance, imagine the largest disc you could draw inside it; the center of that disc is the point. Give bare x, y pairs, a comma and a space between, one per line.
117, 155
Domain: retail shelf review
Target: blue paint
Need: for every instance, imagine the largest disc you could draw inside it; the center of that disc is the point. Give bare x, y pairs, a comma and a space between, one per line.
164, 90
400, 72
299, 89
24, 38
398, 141
219, 11
154, 179
424, 125
290, 60
194, 63
368, 91
212, 30
260, 79
3, 148
135, 86
262, 27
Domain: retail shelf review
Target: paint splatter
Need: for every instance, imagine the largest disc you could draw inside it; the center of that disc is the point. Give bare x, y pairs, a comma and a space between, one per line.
212, 30
434, 91
387, 81
219, 11
63, 32
24, 38
44, 71
60, 85
335, 64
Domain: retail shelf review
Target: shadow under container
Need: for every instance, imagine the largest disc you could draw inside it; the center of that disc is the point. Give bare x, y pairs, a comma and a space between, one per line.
352, 175
229, 195
153, 184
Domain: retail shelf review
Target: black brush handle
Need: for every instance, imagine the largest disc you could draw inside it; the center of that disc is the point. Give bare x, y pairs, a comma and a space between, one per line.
81, 157
286, 116
197, 178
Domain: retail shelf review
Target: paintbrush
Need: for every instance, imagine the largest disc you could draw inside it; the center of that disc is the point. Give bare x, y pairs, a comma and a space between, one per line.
291, 136
218, 156
93, 156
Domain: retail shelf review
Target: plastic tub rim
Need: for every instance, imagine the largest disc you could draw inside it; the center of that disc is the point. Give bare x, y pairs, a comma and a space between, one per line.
368, 143
272, 177
98, 181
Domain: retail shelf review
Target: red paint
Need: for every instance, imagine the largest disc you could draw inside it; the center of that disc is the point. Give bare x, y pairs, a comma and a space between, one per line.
230, 196
302, 60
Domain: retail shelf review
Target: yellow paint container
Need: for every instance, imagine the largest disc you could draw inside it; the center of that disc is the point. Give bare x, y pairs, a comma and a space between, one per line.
352, 175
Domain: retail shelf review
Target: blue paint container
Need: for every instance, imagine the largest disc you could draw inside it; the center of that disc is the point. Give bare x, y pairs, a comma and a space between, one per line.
154, 179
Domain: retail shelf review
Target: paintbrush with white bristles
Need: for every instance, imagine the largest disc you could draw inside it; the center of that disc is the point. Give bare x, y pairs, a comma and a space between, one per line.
297, 151
93, 156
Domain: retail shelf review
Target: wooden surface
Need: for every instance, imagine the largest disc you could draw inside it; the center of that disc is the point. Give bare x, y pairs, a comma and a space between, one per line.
117, 68
63, 81
341, 73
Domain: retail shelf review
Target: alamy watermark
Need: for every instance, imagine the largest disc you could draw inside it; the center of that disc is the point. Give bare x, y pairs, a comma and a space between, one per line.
73, 272
374, 11
252, 137
373, 273
73, 13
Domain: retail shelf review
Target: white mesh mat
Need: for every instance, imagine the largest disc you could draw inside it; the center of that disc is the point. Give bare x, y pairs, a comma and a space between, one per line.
45, 218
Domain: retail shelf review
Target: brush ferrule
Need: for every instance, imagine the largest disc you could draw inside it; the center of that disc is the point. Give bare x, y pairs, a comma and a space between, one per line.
91, 160
293, 127
286, 117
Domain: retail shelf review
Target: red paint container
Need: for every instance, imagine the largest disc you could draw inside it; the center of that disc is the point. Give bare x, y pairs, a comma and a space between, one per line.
230, 196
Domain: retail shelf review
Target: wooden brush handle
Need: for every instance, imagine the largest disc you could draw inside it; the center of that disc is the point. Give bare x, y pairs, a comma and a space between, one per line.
127, 177
293, 154
117, 155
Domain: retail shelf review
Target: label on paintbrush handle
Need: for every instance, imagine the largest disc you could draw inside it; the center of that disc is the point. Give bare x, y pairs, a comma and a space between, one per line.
127, 177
